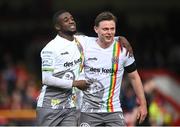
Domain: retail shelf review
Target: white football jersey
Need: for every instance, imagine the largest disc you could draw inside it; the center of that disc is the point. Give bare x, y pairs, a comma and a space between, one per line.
104, 68
61, 59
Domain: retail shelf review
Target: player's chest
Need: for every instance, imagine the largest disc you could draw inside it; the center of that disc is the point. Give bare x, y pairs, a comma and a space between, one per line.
103, 59
68, 56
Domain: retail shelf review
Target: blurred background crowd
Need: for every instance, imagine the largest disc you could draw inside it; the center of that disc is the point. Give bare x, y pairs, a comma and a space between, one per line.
152, 28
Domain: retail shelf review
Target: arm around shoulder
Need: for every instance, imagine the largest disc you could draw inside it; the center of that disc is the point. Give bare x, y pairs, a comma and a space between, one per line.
125, 43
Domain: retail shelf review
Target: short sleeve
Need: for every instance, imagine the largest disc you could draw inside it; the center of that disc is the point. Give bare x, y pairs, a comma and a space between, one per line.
47, 58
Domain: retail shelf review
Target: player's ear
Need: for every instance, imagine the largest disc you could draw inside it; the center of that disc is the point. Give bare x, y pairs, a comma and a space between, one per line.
57, 27
95, 29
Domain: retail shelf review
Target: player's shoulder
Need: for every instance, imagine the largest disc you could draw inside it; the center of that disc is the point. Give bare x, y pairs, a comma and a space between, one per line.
85, 40
50, 46
57, 40
84, 37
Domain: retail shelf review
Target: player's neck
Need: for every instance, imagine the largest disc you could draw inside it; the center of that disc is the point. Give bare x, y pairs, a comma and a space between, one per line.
103, 44
67, 36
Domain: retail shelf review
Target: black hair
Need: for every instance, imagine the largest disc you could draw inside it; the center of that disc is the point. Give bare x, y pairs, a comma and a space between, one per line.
104, 16
55, 17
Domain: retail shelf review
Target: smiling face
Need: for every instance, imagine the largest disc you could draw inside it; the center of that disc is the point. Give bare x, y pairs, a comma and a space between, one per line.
105, 27
66, 24
106, 31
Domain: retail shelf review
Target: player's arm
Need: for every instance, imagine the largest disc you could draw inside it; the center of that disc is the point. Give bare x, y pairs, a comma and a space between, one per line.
125, 43
138, 88
49, 79
131, 69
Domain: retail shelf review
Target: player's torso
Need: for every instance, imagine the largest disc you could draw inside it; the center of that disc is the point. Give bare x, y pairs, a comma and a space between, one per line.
65, 63
100, 67
67, 59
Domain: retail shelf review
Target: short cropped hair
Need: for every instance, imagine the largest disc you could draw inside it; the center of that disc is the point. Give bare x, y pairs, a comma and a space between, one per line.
56, 15
104, 16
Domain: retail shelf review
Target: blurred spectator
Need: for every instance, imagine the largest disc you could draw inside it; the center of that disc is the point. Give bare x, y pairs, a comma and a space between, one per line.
4, 96
31, 94
18, 90
16, 100
128, 102
128, 98
159, 116
8, 73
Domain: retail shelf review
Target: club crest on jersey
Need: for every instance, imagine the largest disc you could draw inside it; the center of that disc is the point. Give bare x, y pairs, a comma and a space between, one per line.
115, 60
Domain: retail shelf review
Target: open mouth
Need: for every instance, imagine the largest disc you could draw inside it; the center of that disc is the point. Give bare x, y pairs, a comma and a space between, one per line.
108, 37
72, 26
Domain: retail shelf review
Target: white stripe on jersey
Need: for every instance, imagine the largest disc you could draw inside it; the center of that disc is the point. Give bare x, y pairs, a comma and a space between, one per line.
41, 96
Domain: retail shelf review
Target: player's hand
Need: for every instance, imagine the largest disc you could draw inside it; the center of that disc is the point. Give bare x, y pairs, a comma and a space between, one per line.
142, 113
125, 43
81, 84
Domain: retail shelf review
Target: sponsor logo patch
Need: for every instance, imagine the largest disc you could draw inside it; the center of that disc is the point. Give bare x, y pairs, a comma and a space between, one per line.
55, 103
47, 62
94, 58
64, 53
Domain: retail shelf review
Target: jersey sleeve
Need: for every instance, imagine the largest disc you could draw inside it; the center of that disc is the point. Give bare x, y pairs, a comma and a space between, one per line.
129, 64
47, 58
48, 61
